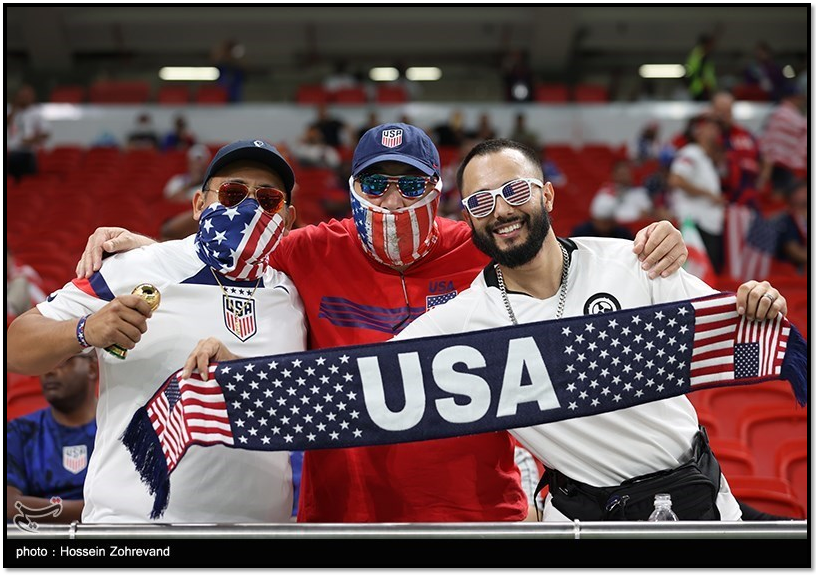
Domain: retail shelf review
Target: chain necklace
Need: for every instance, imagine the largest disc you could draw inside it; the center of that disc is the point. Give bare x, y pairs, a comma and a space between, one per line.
562, 291
223, 290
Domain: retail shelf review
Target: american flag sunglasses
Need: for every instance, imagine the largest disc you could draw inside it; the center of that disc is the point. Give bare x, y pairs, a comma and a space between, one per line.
516, 192
233, 193
409, 186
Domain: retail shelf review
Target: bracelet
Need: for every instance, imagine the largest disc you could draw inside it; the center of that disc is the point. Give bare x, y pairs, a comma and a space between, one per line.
80, 332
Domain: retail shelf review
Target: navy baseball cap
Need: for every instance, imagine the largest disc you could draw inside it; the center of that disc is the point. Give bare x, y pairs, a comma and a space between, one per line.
257, 150
398, 142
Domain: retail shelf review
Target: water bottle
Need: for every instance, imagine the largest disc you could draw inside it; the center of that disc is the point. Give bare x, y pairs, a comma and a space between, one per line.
662, 508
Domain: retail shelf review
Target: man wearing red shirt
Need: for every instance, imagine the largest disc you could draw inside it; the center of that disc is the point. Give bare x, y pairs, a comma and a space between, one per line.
362, 280
741, 153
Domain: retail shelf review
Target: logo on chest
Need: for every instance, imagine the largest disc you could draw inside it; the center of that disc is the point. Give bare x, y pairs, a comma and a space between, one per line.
75, 458
601, 303
239, 316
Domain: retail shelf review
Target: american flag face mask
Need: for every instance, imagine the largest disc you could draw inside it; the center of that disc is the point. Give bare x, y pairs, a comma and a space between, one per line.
396, 237
238, 240
516, 192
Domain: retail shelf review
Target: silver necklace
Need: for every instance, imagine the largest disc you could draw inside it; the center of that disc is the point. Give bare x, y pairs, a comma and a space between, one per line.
562, 291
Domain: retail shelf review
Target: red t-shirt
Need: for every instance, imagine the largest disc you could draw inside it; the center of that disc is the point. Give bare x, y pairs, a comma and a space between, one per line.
351, 299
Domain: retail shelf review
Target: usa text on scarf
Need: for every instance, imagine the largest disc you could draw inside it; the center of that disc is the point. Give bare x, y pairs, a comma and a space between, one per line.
462, 384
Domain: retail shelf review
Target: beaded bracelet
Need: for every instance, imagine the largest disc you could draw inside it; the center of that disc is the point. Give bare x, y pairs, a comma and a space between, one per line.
80, 332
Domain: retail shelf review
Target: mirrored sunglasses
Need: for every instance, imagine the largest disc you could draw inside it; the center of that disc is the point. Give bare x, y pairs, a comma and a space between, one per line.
409, 186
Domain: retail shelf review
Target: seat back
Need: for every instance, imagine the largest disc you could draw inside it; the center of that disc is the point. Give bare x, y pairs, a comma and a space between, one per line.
733, 456
793, 464
764, 428
728, 403
772, 502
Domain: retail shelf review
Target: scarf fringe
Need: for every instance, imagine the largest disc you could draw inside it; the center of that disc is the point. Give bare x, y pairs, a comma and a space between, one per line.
146, 453
794, 367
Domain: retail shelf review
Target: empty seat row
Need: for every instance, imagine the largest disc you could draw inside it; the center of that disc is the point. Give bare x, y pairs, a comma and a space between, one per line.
138, 92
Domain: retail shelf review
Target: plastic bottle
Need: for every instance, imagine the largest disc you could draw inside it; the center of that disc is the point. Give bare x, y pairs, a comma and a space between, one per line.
662, 510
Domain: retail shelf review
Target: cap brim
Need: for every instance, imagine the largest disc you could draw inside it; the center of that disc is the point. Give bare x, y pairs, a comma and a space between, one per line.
429, 171
262, 155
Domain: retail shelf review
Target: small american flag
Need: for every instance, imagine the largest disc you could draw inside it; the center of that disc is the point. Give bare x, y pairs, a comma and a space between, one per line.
727, 346
750, 242
461, 384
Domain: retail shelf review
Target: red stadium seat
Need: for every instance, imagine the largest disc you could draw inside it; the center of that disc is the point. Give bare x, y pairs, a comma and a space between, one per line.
793, 464
350, 96
552, 93
68, 94
391, 94
119, 92
211, 94
734, 457
590, 93
772, 502
312, 94
764, 428
727, 403
23, 395
173, 94
709, 421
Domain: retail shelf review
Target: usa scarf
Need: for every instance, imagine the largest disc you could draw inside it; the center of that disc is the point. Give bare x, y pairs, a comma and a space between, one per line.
462, 384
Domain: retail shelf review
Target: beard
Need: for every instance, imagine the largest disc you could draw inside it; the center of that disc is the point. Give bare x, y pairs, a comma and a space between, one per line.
538, 226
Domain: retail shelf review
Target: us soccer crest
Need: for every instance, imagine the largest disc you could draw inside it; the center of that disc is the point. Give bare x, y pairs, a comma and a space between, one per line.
239, 316
392, 137
75, 458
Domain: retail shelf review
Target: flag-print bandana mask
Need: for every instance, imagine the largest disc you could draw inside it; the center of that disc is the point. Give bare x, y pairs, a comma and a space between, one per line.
237, 241
396, 237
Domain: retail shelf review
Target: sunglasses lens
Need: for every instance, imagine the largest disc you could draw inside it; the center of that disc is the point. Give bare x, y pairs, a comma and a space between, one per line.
270, 199
412, 186
373, 184
480, 204
517, 192
232, 193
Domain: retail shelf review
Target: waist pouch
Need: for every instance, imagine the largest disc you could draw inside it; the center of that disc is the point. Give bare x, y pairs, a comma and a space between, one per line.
693, 487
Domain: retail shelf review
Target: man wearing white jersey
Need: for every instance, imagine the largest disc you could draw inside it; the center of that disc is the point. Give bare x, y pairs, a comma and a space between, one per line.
535, 276
216, 282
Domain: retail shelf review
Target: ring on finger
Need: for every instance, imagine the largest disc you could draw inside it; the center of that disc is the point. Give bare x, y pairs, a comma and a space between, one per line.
769, 296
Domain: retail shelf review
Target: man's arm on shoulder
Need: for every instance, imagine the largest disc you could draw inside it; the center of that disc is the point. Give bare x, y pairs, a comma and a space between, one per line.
107, 239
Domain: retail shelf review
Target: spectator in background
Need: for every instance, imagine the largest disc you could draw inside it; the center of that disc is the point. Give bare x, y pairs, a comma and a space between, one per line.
521, 133
517, 76
695, 185
602, 220
452, 132
656, 183
484, 129
551, 170
182, 187
311, 150
26, 132
648, 142
370, 123
228, 57
701, 77
333, 129
784, 142
47, 451
632, 203
24, 287
740, 162
143, 134
340, 77
792, 243
763, 71
180, 137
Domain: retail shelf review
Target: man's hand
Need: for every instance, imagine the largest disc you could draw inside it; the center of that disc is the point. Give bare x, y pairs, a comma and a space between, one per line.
122, 321
210, 349
660, 248
108, 239
760, 301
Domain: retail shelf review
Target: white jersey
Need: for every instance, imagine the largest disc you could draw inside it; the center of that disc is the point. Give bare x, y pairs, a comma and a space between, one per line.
693, 164
606, 449
211, 484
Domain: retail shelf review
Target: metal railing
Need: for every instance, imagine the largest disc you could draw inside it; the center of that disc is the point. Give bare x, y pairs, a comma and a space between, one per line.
575, 530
